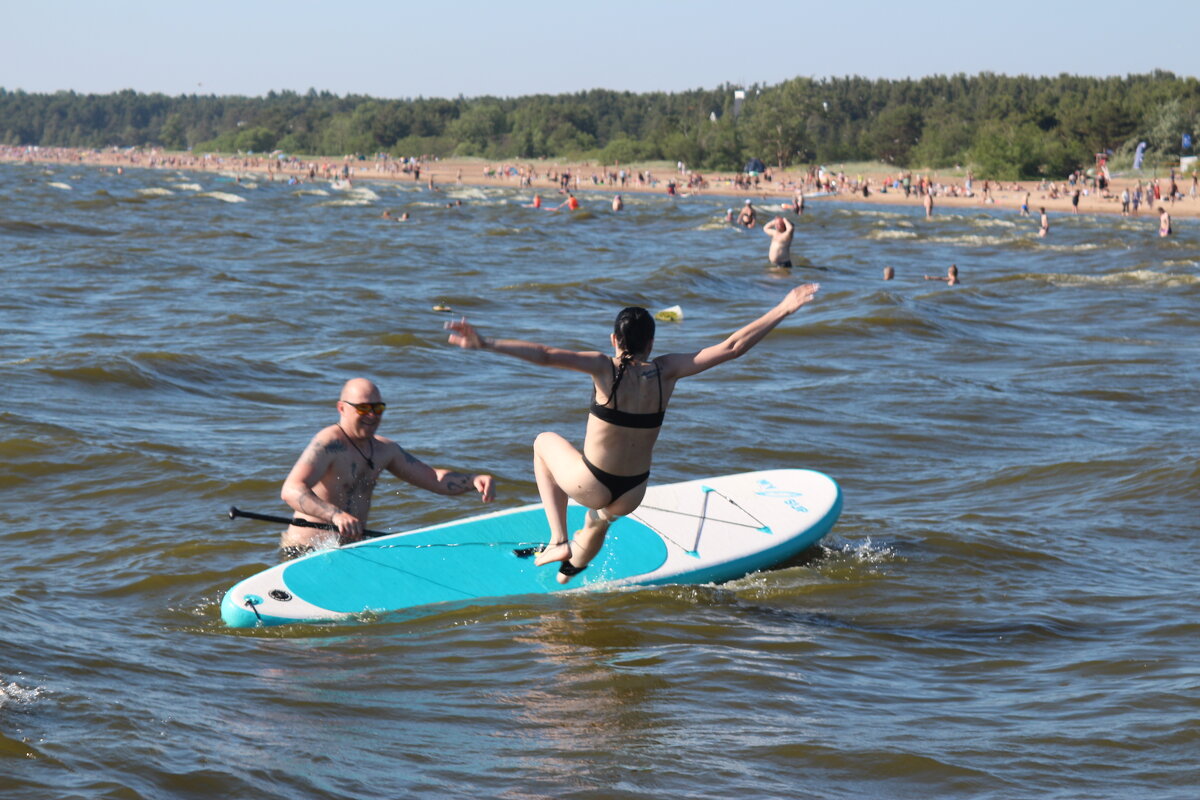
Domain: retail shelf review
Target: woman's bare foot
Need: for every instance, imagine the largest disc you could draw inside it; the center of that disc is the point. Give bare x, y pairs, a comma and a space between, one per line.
553, 552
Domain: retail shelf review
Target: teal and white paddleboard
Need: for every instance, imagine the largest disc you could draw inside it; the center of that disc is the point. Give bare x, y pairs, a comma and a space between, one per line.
703, 531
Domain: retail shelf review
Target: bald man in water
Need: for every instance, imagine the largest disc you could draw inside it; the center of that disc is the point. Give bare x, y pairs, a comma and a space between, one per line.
335, 475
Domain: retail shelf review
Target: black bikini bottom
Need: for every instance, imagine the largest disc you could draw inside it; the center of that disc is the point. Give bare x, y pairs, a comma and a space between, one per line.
617, 485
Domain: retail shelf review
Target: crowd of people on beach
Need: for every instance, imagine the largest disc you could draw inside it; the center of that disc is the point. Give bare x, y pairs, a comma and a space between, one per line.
813, 181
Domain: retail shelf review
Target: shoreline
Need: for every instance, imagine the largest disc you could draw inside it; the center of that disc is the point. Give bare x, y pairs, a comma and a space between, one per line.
543, 177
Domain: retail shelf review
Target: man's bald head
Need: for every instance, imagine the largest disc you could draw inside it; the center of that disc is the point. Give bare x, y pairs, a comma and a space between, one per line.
360, 390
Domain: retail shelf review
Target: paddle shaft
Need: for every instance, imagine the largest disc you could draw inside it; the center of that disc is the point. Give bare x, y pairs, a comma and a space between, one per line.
235, 512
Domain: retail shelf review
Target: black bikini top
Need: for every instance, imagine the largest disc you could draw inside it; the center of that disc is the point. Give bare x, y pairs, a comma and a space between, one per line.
626, 419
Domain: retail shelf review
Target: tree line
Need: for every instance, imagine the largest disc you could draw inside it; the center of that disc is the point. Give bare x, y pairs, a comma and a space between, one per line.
1003, 127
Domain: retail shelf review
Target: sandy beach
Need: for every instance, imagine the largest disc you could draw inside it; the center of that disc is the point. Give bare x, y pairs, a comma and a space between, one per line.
545, 177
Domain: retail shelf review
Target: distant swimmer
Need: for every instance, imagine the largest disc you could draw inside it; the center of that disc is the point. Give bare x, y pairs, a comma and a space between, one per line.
1025, 206
888, 273
798, 203
571, 203
928, 204
951, 276
746, 218
1164, 222
729, 217
781, 232
537, 202
1045, 224
617, 203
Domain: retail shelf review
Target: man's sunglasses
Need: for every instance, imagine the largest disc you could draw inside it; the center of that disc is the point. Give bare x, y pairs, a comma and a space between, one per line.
367, 408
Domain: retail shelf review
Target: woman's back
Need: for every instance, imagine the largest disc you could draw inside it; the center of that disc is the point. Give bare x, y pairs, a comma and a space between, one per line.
626, 415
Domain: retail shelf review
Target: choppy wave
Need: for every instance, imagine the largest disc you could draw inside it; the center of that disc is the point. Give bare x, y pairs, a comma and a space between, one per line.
50, 227
348, 203
1142, 278
14, 693
224, 197
972, 240
995, 222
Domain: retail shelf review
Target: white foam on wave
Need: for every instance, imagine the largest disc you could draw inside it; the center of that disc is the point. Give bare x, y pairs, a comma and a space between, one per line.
191, 187
993, 222
363, 193
1137, 278
973, 240
314, 192
891, 234
224, 197
61, 185
1076, 248
13, 692
881, 214
468, 193
348, 202
155, 191
868, 552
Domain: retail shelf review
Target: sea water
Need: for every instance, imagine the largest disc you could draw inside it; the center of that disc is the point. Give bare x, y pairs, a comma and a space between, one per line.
1006, 609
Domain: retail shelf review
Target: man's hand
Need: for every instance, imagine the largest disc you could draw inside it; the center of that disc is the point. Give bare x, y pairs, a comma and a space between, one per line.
484, 484
350, 527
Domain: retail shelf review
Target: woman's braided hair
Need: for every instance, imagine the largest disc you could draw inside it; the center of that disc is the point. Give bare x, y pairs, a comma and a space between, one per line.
634, 330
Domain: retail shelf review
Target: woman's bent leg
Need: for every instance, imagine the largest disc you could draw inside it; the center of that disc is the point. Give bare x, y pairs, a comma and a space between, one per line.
560, 474
554, 499
590, 538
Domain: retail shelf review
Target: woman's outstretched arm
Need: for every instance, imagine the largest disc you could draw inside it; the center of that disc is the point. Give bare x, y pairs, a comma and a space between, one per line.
681, 365
467, 337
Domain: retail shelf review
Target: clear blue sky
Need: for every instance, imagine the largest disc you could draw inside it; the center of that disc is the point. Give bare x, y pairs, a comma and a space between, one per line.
475, 47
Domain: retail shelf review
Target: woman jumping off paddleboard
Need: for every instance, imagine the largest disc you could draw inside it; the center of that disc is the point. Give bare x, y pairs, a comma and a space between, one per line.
630, 399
